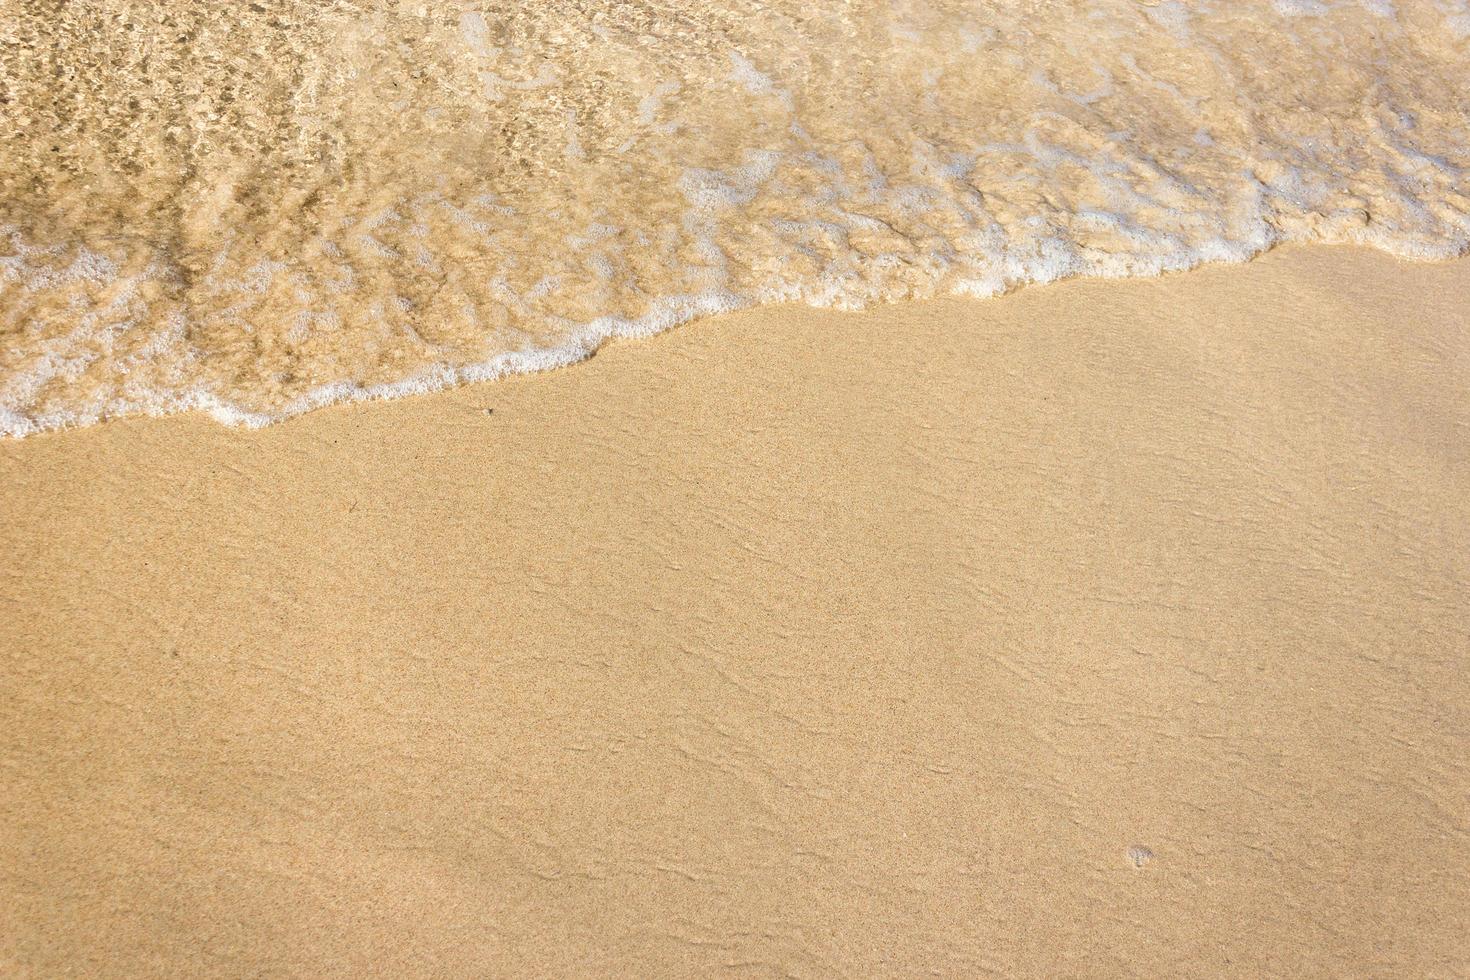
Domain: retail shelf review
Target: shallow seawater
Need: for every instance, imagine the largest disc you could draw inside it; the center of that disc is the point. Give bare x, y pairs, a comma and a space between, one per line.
261, 207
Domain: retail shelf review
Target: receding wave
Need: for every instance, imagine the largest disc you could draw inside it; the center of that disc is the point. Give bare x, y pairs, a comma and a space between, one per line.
259, 208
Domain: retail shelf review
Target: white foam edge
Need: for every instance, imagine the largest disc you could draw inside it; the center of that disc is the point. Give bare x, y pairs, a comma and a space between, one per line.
669, 312
585, 341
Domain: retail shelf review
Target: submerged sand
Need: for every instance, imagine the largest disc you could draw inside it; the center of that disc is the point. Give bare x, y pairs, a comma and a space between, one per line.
260, 208
1110, 628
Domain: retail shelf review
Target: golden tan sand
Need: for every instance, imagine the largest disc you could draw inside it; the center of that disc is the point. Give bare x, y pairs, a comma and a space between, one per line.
262, 207
1102, 629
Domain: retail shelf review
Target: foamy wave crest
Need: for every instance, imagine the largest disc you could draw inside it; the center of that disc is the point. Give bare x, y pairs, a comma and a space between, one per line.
256, 212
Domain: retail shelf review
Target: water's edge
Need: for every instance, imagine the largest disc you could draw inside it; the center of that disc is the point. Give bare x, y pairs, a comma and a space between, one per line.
255, 213
584, 345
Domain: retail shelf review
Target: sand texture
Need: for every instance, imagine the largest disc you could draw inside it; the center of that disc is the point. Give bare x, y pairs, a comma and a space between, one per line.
1102, 629
261, 207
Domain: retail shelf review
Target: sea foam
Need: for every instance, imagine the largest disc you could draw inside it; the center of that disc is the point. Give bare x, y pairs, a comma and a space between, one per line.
258, 212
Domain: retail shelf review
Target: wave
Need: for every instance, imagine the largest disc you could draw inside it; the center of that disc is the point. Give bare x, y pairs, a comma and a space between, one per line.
262, 211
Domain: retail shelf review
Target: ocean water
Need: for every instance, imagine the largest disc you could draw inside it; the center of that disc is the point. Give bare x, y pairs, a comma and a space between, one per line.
261, 207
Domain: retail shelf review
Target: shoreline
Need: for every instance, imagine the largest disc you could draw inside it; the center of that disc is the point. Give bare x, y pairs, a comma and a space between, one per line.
1111, 627
589, 339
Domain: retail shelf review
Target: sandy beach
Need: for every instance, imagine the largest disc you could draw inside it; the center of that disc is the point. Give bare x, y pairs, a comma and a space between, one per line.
1108, 628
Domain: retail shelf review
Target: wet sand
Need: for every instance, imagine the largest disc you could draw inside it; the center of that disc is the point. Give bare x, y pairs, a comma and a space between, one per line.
263, 208
1106, 628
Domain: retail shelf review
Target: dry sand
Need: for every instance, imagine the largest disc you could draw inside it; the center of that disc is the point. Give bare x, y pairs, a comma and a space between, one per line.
1107, 628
